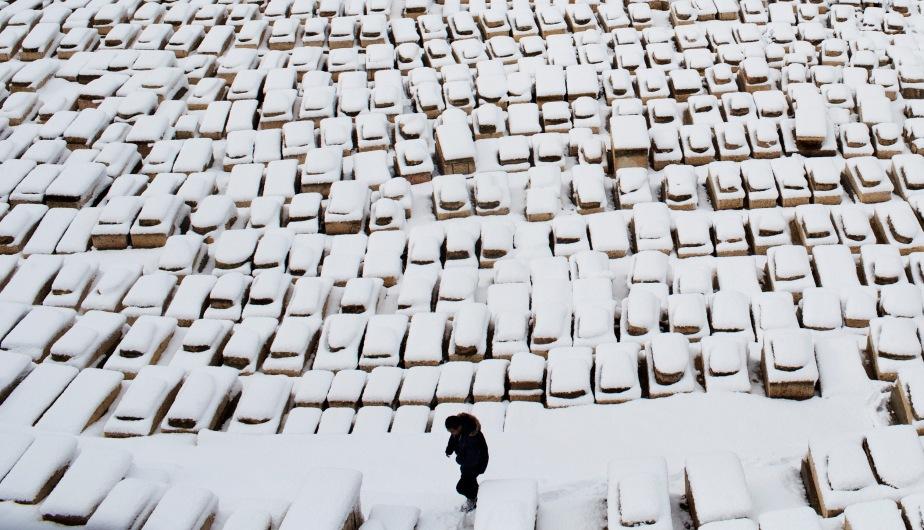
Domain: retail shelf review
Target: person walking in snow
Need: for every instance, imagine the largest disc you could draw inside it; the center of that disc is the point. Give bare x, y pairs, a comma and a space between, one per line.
471, 450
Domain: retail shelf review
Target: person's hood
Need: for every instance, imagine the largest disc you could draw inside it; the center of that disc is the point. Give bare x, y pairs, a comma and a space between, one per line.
470, 423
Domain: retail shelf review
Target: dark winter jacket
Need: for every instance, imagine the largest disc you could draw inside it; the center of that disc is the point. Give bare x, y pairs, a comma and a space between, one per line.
470, 447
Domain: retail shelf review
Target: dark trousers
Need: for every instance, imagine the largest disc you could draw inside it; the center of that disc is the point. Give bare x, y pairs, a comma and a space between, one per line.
468, 485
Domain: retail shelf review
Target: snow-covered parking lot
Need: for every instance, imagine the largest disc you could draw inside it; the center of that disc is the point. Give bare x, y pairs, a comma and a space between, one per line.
669, 253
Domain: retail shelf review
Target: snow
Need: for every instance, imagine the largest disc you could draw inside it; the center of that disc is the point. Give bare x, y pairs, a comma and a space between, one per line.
382, 385
46, 455
147, 393
339, 343
309, 296
847, 469
897, 301
507, 503
874, 514
490, 380
105, 145
346, 388
302, 420
14, 445
262, 402
361, 295
247, 343
811, 123
293, 336
90, 390
21, 332
182, 507
616, 373
129, 501
637, 494
568, 380
455, 381
638, 502
791, 350
81, 344
142, 342
725, 361
803, 517
717, 483
85, 484
469, 330
31, 279
896, 455
425, 337
29, 400
312, 387
895, 338
181, 253
374, 419
326, 500
419, 385
266, 294
394, 517
149, 294
669, 352
202, 394
14, 368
